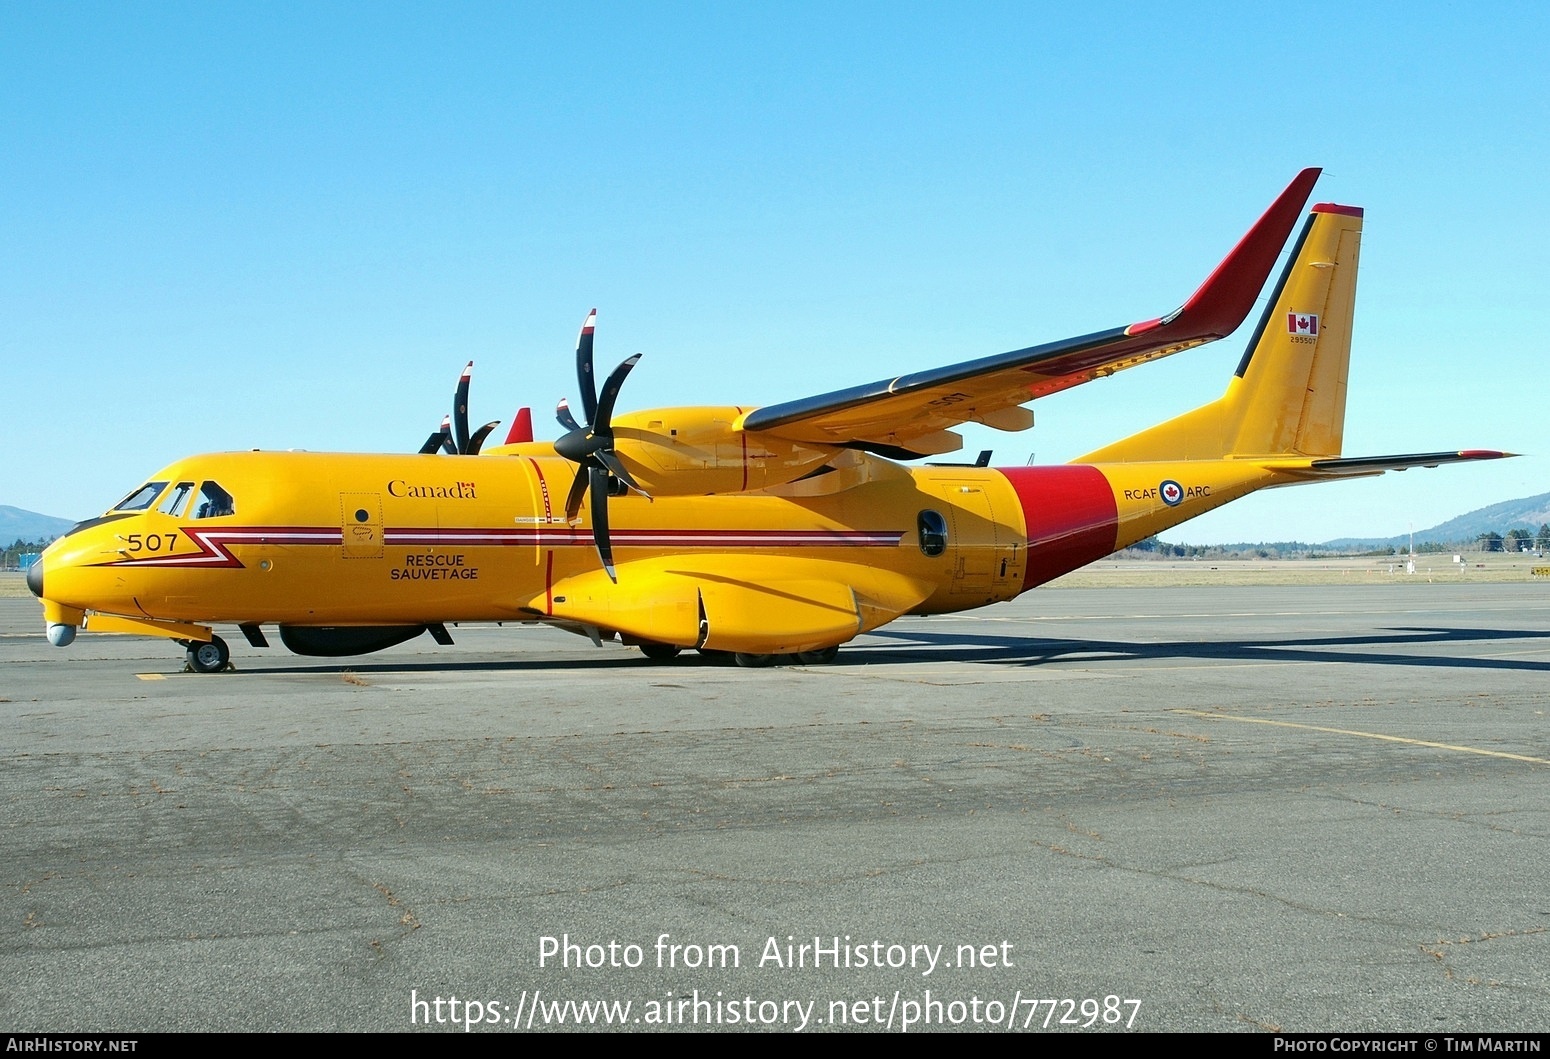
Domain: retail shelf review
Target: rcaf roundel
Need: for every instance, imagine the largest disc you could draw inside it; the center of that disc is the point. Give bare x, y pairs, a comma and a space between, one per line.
1302, 323
1171, 492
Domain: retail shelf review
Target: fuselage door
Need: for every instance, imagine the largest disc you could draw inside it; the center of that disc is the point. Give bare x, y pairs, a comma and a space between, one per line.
987, 557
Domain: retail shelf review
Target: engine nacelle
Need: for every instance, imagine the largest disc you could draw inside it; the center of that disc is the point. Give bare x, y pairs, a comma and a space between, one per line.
695, 451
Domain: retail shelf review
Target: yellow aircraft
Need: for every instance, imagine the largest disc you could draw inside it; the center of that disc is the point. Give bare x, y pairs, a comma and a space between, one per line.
780, 531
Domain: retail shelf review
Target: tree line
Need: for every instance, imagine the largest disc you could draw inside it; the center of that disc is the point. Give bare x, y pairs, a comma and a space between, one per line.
1514, 540
10, 558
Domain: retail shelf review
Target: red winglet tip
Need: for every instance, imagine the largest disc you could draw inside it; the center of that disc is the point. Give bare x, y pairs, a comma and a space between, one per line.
521, 427
1335, 207
1144, 326
1228, 294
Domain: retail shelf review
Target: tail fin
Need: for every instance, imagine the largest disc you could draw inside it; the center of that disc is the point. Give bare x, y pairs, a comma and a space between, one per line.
1288, 394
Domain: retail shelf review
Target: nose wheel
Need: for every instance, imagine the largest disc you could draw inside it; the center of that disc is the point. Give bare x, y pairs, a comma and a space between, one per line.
210, 656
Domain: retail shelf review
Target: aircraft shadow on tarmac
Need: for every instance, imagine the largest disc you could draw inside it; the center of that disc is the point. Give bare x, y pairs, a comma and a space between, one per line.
905, 647
1015, 650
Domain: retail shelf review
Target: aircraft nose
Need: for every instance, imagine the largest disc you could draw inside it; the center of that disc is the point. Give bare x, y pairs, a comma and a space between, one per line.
35, 578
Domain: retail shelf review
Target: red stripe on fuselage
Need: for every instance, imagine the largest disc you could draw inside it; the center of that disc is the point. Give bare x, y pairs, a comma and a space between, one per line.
1071, 515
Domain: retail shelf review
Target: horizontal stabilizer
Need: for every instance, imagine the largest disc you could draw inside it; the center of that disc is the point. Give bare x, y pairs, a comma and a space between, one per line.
1359, 466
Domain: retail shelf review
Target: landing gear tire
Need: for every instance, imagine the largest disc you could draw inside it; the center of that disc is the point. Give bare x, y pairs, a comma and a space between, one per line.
750, 661
821, 657
660, 652
211, 657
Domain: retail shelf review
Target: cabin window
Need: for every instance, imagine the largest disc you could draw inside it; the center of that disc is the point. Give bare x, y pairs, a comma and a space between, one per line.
177, 499
142, 498
214, 502
932, 528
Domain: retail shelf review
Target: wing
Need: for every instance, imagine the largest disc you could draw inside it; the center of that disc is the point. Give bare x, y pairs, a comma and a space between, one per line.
911, 415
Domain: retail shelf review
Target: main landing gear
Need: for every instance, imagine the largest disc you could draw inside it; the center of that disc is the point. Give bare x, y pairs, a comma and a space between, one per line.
210, 656
661, 652
821, 657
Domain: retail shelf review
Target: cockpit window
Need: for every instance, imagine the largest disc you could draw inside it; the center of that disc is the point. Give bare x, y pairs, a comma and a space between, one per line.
214, 502
177, 499
142, 498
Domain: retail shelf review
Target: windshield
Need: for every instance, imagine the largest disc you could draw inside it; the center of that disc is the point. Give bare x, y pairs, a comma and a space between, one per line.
141, 498
177, 499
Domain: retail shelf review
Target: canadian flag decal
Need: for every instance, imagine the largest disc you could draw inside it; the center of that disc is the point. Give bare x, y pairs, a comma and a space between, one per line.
1302, 324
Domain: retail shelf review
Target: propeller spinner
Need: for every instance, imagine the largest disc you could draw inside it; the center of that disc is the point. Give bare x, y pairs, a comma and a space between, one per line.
590, 445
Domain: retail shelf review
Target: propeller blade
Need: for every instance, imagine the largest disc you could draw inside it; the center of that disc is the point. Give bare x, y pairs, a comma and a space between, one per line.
609, 459
432, 444
605, 403
446, 436
598, 483
584, 368
460, 409
476, 442
562, 413
578, 486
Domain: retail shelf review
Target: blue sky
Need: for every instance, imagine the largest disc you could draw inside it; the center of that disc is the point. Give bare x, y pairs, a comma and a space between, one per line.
230, 227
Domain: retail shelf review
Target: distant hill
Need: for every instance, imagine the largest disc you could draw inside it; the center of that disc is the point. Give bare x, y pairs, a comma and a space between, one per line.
1529, 513
19, 525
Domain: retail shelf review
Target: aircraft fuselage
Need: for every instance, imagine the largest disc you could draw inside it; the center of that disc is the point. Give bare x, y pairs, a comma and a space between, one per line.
338, 539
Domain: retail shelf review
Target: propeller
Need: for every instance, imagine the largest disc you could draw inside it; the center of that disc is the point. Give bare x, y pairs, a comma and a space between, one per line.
590, 444
453, 437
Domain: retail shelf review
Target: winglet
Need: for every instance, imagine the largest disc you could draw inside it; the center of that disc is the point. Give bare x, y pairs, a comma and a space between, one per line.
521, 427
1228, 293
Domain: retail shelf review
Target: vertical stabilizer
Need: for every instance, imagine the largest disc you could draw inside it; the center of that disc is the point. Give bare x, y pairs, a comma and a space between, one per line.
1288, 395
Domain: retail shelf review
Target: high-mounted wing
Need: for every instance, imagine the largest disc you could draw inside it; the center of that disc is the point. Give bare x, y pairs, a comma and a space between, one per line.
911, 415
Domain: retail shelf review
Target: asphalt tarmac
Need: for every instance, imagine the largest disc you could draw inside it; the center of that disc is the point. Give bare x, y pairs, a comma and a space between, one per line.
1167, 809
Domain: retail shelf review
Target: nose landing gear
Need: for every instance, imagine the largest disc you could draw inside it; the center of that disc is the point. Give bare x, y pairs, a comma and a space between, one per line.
207, 656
